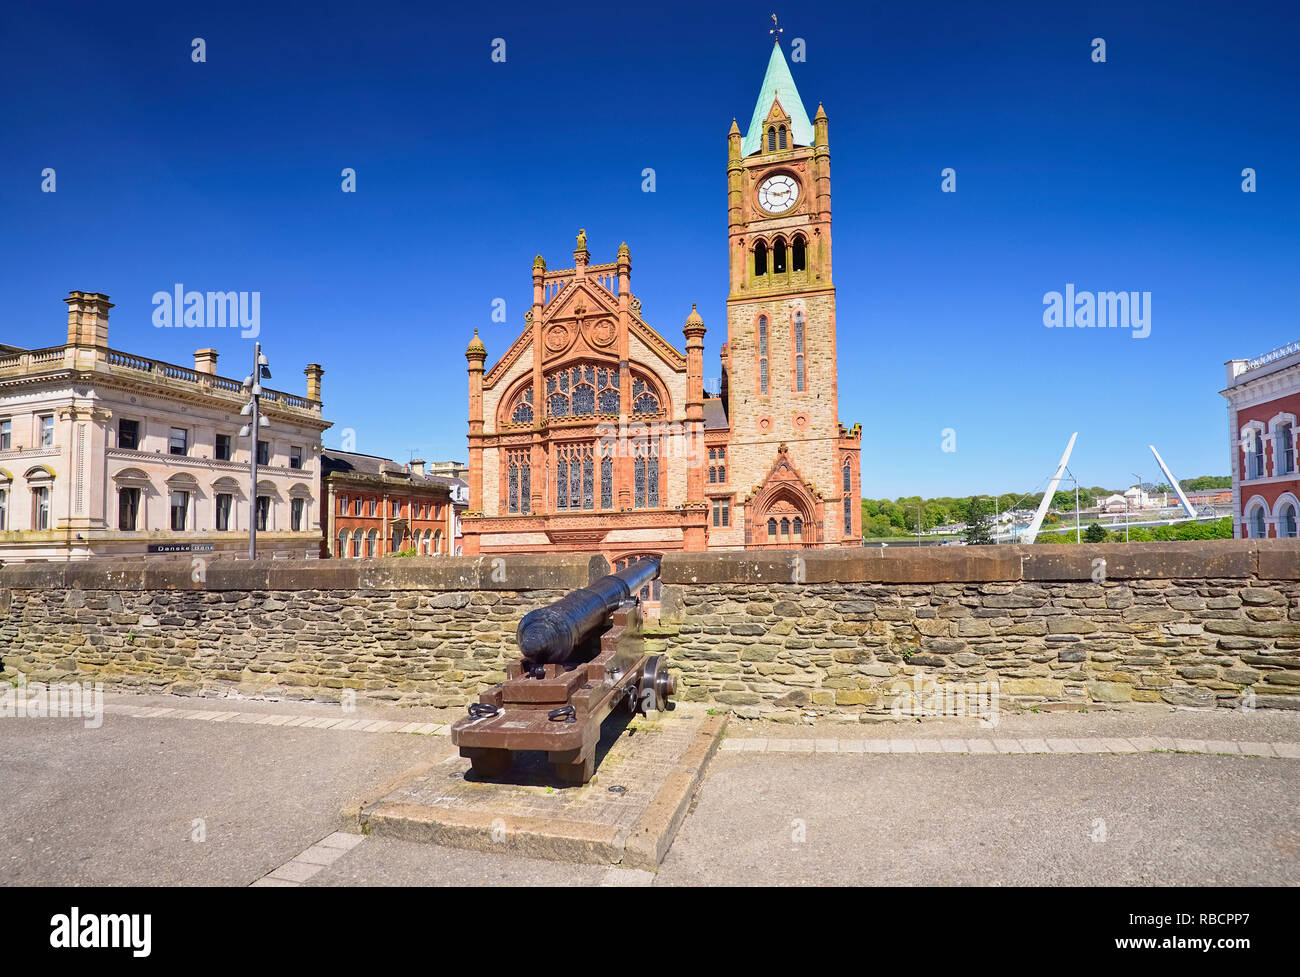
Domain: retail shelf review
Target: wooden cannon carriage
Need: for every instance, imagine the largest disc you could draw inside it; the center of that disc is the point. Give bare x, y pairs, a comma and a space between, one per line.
580, 659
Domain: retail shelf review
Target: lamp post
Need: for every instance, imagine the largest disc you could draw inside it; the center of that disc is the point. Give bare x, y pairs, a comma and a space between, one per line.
1078, 526
253, 384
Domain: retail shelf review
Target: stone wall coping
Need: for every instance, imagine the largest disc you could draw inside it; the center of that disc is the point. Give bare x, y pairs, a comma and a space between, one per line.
1211, 559
516, 572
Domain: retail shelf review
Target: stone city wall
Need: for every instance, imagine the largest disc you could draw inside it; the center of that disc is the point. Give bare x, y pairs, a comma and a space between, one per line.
423, 630
873, 633
850, 633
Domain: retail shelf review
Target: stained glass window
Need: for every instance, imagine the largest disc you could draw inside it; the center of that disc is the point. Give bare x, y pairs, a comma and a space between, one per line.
762, 355
638, 467
517, 480
771, 529
523, 412
607, 482
575, 477
652, 478
848, 516
575, 391
525, 490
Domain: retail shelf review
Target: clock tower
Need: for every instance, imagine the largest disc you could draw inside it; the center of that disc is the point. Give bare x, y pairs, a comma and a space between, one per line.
791, 462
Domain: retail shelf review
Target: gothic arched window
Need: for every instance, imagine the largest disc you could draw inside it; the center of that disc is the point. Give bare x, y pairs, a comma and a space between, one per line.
762, 355
778, 256
523, 410
574, 477
771, 138
798, 254
582, 390
644, 400
798, 351
760, 258
645, 473
780, 137
771, 529
518, 482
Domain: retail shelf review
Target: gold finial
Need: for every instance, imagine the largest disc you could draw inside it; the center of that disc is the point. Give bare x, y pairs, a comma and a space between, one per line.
582, 239
776, 31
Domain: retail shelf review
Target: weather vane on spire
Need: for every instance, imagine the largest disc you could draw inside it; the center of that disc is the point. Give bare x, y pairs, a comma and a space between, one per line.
776, 31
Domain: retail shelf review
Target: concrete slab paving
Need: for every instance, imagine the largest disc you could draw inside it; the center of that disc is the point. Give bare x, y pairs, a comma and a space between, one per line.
128, 802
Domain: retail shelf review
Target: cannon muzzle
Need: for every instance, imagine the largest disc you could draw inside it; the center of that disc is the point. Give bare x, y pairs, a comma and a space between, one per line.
550, 634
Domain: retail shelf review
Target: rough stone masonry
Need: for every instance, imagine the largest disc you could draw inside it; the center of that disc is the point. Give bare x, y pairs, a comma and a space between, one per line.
850, 631
423, 631
778, 633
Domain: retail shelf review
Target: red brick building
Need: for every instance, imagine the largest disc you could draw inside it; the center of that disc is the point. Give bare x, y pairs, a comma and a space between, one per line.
1263, 404
592, 431
376, 507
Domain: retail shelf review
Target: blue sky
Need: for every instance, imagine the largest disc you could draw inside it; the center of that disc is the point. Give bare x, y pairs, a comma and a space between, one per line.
1117, 176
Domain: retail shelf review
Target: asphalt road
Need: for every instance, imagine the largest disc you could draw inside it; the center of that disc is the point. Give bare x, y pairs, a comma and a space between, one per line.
118, 805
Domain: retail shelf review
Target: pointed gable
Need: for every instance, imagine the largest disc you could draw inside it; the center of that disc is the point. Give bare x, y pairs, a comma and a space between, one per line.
778, 86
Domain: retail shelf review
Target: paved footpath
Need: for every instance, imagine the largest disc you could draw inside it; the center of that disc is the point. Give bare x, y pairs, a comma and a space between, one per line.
188, 791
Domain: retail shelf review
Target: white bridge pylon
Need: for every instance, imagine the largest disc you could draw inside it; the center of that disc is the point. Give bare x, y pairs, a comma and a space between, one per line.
1182, 496
1031, 533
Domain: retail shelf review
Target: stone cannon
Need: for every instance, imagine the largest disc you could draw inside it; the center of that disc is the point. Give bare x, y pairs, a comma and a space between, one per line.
580, 658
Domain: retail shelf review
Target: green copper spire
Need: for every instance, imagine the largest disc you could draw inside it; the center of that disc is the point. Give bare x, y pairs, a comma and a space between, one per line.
778, 85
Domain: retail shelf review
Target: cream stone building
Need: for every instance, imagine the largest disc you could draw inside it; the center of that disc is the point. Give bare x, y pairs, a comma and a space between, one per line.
106, 453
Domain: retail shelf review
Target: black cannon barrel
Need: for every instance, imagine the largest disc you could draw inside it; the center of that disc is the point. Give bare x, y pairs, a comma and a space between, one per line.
550, 633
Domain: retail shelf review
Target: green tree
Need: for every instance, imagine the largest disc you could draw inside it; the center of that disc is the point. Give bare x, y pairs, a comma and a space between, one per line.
1095, 533
979, 523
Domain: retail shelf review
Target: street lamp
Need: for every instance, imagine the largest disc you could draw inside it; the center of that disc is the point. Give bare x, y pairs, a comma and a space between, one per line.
251, 410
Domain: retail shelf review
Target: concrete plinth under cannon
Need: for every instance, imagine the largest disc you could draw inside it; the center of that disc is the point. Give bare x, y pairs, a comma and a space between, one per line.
627, 815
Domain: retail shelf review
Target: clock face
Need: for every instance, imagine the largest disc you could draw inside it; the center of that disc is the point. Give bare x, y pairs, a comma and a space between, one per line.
778, 193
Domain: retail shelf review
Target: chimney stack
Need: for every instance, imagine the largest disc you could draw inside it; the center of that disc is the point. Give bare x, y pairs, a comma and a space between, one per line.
417, 467
88, 318
314, 372
205, 361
